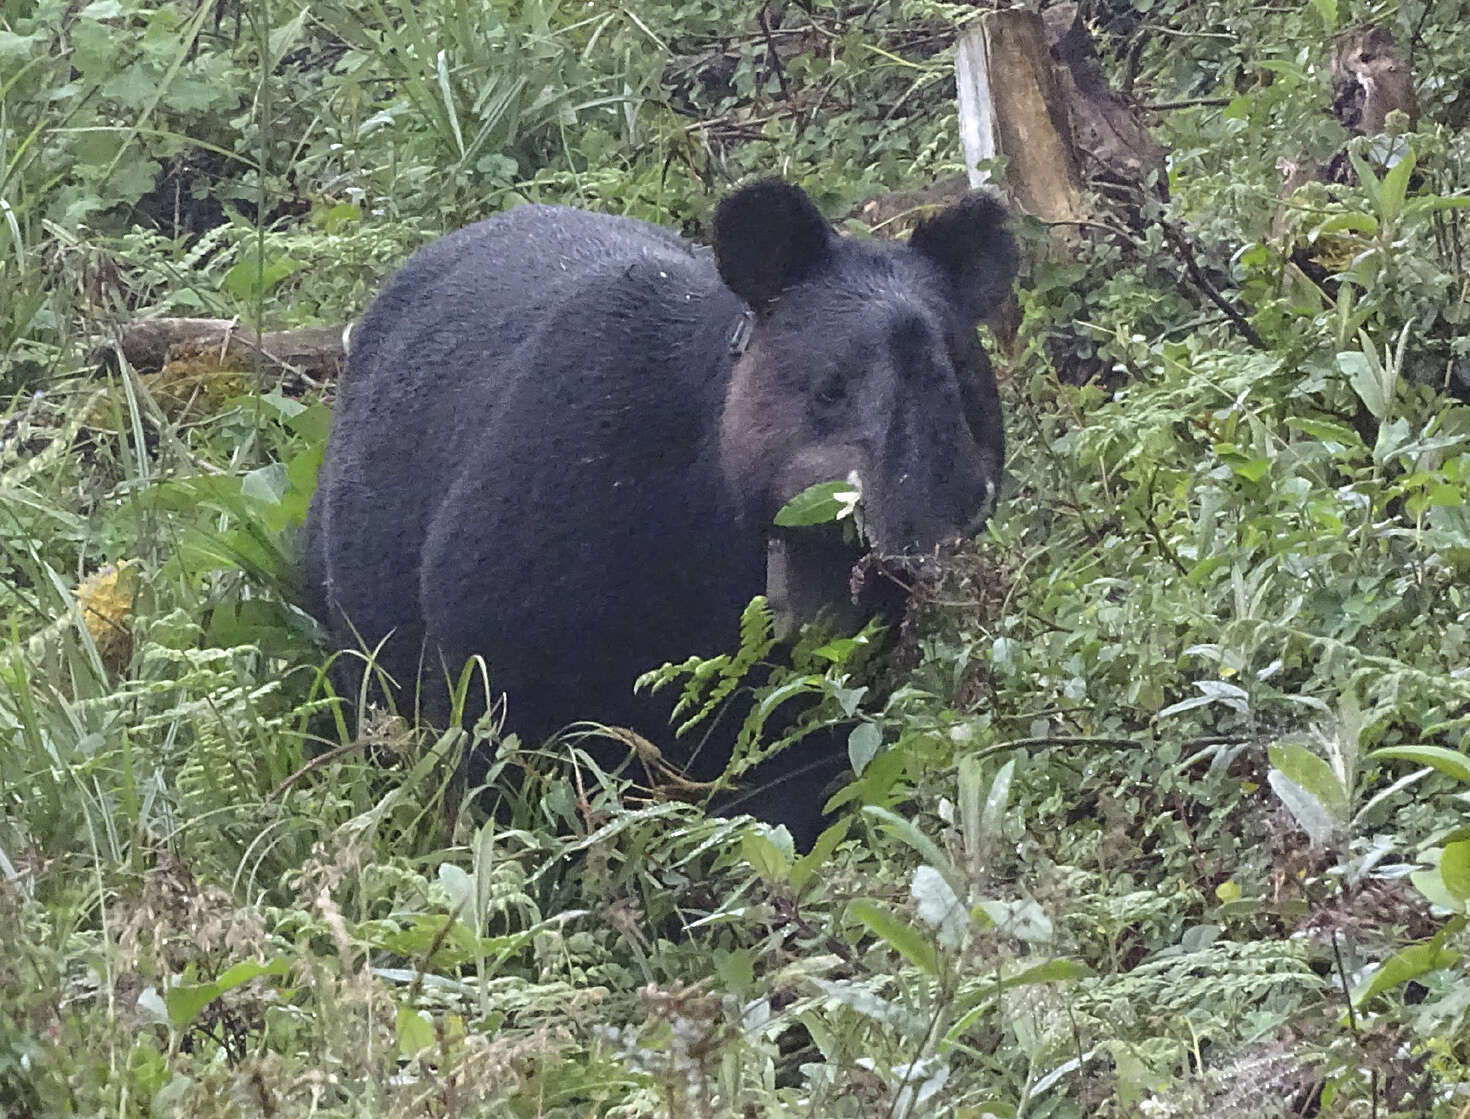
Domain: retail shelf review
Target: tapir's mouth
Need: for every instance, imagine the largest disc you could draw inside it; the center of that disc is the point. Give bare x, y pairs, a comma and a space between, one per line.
818, 572
845, 572
807, 575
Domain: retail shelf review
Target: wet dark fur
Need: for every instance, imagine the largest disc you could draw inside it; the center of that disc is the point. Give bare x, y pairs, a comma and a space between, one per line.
544, 451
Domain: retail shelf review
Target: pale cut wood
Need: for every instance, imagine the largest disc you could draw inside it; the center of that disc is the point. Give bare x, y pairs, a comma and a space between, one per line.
976, 106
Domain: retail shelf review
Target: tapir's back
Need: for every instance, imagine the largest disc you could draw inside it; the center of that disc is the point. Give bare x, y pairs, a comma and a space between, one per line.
435, 340
430, 365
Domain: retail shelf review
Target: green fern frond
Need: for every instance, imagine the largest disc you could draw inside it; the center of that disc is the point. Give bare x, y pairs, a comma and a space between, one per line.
710, 681
210, 777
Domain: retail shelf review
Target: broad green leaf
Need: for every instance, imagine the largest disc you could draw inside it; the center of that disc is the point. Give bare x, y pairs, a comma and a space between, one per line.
186, 1000
1252, 469
1347, 743
246, 970
1059, 970
968, 801
1398, 969
1024, 919
903, 938
802, 685
284, 37
253, 278
1337, 436
1185, 705
1431, 885
265, 483
415, 1033
1396, 187
1450, 762
1136, 1080
876, 783
736, 969
101, 9
14, 49
152, 1009
840, 650
282, 404
1432, 203
1364, 377
313, 424
1444, 496
446, 91
483, 863
848, 698
806, 867
891, 1015
995, 803
1367, 177
1313, 774
1221, 689
939, 908
1352, 221
863, 745
1307, 810
768, 859
1393, 437
452, 942
1454, 869
820, 504
927, 849
460, 887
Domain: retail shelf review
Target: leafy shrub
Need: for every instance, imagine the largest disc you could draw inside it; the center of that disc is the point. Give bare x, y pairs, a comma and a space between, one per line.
1158, 808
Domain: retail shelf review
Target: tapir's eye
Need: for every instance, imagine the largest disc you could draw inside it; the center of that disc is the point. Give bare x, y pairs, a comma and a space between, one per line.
831, 389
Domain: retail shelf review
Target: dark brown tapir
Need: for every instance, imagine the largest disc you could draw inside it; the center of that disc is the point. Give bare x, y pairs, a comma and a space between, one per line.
562, 438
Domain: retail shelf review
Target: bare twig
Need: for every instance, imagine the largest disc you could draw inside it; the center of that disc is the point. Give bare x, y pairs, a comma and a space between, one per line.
1185, 252
1181, 33
1064, 740
1186, 103
772, 54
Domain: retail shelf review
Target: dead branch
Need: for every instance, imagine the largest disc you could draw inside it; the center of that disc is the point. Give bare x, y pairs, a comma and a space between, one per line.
314, 351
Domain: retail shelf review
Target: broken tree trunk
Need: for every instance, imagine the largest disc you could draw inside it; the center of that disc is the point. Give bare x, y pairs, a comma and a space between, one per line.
1114, 147
1370, 79
1010, 104
1033, 90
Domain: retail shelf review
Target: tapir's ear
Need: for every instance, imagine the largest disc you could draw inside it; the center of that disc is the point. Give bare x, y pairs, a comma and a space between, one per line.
768, 236
973, 248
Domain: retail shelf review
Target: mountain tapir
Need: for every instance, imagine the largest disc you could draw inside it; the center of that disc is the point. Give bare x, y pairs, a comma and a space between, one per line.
562, 438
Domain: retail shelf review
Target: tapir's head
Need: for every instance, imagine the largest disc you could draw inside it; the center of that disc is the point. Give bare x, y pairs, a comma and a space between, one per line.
862, 363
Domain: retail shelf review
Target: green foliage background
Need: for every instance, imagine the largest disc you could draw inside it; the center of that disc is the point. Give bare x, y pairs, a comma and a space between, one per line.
1161, 801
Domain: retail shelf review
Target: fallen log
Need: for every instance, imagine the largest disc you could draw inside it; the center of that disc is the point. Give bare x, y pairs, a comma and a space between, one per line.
311, 351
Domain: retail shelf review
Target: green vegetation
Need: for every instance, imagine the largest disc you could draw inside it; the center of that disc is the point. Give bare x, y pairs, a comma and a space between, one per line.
1162, 797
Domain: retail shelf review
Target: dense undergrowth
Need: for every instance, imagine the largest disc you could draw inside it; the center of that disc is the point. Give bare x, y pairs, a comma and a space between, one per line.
1161, 806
